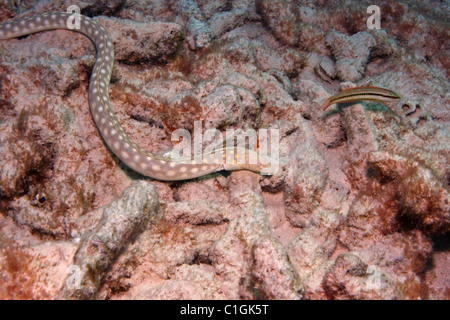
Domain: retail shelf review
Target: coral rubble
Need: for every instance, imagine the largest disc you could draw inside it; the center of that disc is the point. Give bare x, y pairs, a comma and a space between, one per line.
360, 205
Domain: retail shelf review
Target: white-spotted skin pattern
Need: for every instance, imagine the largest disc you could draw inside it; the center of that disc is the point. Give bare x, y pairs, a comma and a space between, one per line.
117, 140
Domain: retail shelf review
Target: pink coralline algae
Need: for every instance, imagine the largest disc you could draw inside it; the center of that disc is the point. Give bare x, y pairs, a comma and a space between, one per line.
360, 205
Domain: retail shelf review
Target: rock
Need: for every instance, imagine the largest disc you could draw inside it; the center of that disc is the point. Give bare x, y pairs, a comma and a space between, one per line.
311, 249
226, 21
351, 53
346, 279
35, 272
326, 69
305, 176
189, 9
121, 221
143, 41
385, 45
281, 19
19, 158
361, 141
209, 8
423, 199
200, 33
275, 278
102, 7
288, 61
223, 102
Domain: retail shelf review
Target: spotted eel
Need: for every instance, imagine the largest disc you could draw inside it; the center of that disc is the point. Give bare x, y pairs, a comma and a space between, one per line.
149, 164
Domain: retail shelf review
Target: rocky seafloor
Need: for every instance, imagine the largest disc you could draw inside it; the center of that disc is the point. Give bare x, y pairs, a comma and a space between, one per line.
358, 210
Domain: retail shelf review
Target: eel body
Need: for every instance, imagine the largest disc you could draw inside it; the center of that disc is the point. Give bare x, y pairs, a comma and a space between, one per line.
138, 159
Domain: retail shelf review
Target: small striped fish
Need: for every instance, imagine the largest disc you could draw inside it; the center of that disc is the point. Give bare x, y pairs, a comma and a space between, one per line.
361, 93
